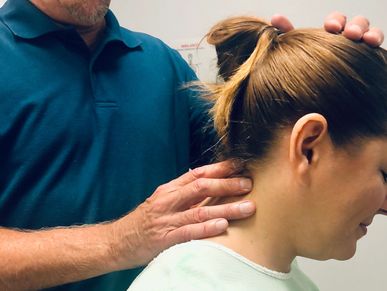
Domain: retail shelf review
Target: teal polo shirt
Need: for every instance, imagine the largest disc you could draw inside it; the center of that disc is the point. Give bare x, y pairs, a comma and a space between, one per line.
86, 136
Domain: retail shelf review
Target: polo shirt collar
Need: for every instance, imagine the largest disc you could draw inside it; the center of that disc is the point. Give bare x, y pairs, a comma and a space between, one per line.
28, 22
115, 33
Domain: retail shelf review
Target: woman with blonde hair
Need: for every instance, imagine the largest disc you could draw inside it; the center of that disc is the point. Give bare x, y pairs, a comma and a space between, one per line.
305, 112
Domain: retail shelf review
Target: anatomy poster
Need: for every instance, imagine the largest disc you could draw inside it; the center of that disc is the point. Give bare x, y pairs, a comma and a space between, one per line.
200, 56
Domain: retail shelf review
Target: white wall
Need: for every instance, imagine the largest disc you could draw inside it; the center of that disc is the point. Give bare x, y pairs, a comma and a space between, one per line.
177, 19
174, 19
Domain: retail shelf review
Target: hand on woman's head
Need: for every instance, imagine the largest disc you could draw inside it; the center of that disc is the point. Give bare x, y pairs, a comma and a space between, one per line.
357, 28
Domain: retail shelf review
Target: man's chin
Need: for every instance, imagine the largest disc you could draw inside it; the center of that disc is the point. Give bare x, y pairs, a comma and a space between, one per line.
82, 16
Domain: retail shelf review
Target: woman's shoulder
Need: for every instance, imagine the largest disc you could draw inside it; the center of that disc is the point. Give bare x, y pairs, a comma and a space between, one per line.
195, 265
205, 266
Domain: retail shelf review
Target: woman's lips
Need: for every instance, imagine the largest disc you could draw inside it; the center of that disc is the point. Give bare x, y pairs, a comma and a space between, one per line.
383, 211
364, 228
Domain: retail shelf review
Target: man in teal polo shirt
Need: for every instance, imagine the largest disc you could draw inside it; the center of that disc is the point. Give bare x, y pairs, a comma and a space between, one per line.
93, 118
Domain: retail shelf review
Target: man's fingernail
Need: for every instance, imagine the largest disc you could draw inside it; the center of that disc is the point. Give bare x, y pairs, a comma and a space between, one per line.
221, 224
198, 171
337, 24
246, 184
246, 207
356, 28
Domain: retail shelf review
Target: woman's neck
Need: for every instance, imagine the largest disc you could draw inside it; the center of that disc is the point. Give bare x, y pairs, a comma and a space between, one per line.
260, 246
266, 237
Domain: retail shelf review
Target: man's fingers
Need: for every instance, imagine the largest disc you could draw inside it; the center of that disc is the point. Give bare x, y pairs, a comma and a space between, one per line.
356, 28
335, 22
353, 32
361, 21
209, 221
230, 211
219, 170
374, 37
282, 23
202, 188
198, 231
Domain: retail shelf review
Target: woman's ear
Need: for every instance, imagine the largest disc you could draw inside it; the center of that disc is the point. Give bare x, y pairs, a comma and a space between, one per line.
308, 135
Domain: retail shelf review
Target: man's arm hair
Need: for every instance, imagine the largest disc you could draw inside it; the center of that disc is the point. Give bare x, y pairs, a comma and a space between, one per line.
50, 257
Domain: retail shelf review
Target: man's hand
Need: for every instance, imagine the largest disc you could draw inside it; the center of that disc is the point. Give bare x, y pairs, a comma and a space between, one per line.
167, 217
356, 29
44, 258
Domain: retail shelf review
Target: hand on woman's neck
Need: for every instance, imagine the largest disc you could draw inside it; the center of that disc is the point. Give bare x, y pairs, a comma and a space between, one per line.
264, 238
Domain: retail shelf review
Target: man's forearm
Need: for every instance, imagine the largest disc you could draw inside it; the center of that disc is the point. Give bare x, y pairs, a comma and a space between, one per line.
39, 259
51, 257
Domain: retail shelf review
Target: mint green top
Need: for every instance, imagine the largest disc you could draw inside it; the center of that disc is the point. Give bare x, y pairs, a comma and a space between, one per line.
205, 266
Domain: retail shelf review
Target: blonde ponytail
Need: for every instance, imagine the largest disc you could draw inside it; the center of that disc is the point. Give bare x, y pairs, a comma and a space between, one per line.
225, 36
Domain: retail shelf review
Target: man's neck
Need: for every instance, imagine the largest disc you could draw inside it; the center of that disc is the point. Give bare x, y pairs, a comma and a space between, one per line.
92, 35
